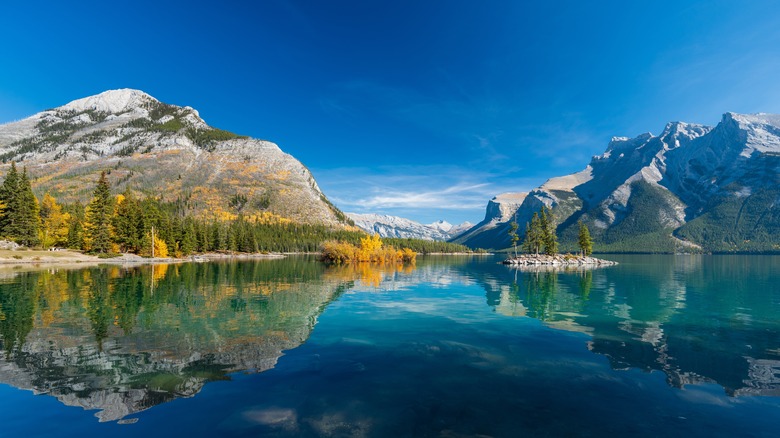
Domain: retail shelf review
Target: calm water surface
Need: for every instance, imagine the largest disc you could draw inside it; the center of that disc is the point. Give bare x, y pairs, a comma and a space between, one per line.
656, 346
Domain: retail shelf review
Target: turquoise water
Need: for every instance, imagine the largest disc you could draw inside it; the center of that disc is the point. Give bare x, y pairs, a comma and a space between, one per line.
656, 346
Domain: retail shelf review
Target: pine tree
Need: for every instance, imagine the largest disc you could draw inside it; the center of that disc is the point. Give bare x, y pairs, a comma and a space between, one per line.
513, 234
128, 222
28, 219
99, 215
533, 235
75, 237
189, 242
549, 238
9, 196
584, 240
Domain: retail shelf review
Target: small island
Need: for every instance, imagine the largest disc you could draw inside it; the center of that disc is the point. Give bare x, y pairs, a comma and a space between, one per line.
557, 260
541, 245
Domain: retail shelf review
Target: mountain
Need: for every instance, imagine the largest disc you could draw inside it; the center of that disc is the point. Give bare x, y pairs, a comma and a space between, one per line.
165, 151
449, 229
394, 226
693, 187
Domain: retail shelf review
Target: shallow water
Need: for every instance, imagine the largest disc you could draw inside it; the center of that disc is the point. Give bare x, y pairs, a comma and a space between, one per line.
456, 346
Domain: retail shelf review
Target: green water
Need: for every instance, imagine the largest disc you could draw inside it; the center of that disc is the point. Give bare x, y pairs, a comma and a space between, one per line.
455, 346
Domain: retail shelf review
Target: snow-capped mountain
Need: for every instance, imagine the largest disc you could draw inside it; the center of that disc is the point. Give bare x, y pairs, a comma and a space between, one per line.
394, 226
692, 186
161, 150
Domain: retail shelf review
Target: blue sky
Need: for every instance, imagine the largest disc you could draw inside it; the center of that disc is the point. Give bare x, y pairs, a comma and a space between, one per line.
423, 109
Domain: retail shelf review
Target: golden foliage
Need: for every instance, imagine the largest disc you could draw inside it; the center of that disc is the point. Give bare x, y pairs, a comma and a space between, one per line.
54, 223
370, 243
160, 248
370, 250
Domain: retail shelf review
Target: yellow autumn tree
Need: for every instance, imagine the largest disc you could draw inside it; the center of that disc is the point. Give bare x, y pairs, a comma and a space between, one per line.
371, 250
54, 229
160, 248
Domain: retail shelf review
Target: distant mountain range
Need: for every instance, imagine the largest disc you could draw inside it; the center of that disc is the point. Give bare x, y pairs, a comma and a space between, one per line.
394, 226
165, 151
691, 188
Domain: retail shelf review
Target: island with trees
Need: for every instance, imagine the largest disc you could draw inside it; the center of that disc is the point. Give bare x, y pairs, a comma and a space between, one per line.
540, 244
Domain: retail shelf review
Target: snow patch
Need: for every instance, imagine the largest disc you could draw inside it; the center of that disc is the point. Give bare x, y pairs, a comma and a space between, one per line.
111, 101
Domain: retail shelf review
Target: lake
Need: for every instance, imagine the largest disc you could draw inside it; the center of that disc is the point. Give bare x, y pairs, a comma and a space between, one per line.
454, 346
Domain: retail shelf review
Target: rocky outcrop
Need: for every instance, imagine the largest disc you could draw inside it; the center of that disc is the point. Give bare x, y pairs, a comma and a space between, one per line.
556, 260
691, 187
161, 150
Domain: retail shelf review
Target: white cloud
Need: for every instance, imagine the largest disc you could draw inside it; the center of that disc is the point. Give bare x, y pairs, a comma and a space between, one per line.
421, 193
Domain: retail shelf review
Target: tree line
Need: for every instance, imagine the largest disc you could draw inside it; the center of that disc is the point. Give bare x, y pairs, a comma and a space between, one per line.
540, 235
128, 223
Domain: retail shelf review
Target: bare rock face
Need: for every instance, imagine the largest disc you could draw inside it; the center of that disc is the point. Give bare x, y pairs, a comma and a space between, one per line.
692, 186
161, 150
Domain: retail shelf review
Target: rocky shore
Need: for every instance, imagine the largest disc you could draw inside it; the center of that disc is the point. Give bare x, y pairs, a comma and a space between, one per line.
556, 260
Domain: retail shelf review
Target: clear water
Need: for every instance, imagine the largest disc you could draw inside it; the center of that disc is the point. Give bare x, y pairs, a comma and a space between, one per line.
656, 346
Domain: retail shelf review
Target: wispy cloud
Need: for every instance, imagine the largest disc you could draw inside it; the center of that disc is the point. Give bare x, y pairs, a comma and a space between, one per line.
457, 197
422, 193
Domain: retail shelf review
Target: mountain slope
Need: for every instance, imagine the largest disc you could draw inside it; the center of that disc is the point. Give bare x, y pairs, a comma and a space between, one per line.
693, 186
164, 151
394, 226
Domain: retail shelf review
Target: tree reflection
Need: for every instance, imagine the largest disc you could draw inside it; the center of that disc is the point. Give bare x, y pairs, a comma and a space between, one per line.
695, 318
17, 307
148, 334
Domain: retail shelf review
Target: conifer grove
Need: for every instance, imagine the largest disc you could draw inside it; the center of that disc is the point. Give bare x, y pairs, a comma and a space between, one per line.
114, 223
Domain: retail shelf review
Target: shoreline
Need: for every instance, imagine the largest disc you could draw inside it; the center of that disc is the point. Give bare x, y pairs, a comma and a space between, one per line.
19, 259
556, 260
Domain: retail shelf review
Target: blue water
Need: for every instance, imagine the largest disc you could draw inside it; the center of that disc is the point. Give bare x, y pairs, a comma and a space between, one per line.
656, 346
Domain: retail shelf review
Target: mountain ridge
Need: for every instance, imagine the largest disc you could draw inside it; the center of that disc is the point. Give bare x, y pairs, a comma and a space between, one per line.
165, 151
692, 186
399, 227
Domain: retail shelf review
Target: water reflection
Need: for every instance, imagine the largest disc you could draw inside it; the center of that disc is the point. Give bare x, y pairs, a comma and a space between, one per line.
695, 318
122, 340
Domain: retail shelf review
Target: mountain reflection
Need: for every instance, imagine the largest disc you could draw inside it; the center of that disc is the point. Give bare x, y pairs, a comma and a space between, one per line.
695, 318
120, 340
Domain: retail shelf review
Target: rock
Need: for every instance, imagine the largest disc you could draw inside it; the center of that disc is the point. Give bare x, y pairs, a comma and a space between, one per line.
8, 245
556, 260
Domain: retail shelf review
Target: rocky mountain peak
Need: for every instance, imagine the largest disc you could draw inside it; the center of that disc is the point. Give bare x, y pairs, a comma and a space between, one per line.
111, 101
442, 225
162, 150
693, 185
503, 206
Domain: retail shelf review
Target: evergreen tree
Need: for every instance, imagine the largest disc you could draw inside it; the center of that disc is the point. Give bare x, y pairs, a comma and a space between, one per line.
128, 222
189, 242
75, 239
99, 215
533, 235
9, 196
584, 240
547, 225
513, 234
28, 219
